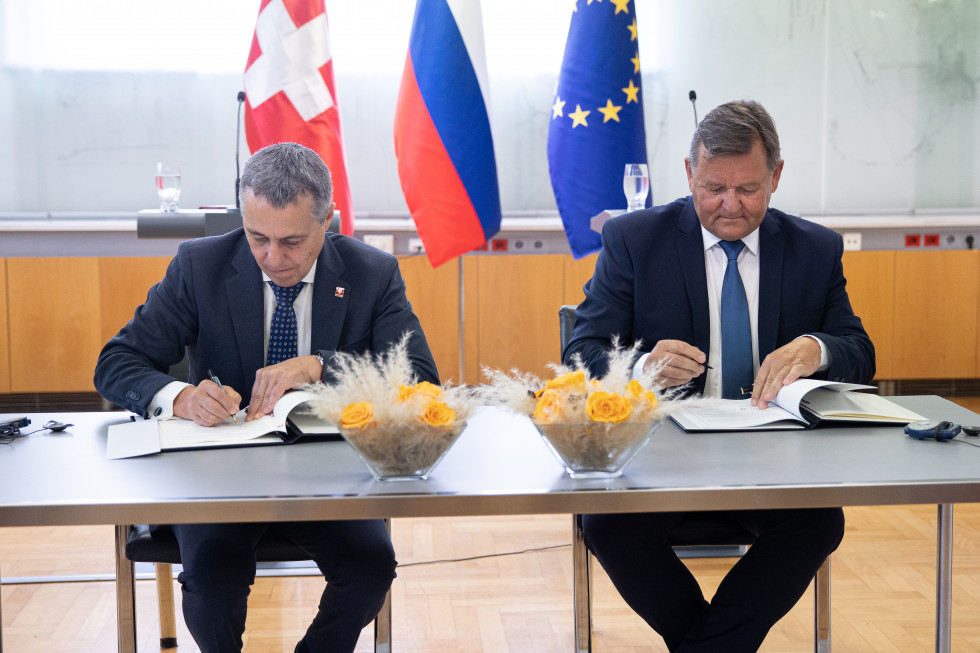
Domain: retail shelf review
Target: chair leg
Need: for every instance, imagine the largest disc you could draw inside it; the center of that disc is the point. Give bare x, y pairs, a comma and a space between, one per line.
165, 605
125, 594
581, 588
382, 623
821, 613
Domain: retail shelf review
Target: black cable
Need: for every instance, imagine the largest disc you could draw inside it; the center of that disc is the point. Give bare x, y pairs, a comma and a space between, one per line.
486, 555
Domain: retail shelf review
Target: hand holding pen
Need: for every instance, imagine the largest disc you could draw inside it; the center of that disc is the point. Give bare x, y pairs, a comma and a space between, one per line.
217, 382
207, 403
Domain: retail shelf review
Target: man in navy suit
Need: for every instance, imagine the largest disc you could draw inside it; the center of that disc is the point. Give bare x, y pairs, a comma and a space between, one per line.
219, 301
661, 278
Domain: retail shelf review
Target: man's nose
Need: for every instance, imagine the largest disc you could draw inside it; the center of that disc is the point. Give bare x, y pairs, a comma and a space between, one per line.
730, 200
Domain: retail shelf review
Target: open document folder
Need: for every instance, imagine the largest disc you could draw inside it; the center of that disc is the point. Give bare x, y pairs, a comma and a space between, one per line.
287, 423
802, 404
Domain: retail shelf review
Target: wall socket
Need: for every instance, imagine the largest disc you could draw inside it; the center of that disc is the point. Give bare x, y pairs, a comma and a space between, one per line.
852, 241
384, 242
416, 246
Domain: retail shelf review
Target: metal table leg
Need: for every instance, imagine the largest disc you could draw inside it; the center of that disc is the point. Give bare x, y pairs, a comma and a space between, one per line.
125, 595
944, 576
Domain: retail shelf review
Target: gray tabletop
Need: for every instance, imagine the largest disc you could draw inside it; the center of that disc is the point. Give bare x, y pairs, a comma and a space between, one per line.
498, 466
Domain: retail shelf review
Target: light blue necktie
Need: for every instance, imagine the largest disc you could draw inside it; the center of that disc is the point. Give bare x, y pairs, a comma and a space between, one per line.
282, 335
736, 332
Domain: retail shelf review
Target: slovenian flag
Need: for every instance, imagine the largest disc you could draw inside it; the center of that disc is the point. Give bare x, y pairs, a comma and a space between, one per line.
443, 142
596, 118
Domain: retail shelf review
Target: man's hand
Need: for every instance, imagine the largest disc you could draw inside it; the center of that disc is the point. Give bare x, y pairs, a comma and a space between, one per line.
207, 403
793, 360
681, 362
272, 382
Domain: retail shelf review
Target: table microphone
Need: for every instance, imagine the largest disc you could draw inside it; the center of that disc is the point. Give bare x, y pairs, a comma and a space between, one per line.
692, 96
238, 140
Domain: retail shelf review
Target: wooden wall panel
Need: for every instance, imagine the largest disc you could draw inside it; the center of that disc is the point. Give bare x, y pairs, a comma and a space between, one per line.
576, 274
936, 314
512, 312
434, 294
123, 284
871, 289
4, 330
54, 323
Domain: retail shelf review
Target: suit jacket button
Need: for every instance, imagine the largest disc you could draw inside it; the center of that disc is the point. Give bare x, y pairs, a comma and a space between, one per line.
158, 412
132, 394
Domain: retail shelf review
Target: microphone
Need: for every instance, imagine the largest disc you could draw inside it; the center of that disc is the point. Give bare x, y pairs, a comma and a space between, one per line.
692, 96
238, 140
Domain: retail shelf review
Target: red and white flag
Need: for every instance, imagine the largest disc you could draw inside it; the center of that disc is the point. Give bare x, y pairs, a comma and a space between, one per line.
290, 93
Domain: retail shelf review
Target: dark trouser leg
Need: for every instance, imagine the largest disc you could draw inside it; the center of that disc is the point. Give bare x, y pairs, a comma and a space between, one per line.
358, 562
634, 551
219, 568
769, 579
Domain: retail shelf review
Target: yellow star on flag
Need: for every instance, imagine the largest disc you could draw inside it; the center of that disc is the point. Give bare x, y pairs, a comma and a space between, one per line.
632, 93
557, 109
636, 62
621, 5
610, 111
578, 117
632, 29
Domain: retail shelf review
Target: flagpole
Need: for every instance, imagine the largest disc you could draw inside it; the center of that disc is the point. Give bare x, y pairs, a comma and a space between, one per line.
462, 328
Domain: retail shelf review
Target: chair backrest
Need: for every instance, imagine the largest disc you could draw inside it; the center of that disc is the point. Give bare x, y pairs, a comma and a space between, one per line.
566, 320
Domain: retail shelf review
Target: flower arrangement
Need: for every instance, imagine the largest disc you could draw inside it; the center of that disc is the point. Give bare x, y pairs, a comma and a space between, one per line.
593, 425
399, 427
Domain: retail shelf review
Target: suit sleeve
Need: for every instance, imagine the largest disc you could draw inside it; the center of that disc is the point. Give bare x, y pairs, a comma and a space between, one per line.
133, 365
608, 306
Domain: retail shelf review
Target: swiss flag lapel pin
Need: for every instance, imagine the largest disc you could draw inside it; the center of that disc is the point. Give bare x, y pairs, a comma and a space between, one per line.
339, 292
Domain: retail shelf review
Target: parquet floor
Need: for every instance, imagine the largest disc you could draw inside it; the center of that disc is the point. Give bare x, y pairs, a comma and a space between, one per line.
883, 591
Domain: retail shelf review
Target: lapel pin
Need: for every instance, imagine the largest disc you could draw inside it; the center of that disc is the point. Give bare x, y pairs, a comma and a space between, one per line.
338, 292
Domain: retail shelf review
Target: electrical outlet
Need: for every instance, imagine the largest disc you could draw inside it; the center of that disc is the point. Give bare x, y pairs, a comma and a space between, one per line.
416, 246
384, 242
852, 241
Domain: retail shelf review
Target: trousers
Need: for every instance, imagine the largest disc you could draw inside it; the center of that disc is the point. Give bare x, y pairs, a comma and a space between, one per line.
765, 583
355, 557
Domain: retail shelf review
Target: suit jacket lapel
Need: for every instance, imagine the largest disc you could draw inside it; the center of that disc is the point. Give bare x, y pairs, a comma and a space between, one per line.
690, 255
244, 289
770, 283
331, 295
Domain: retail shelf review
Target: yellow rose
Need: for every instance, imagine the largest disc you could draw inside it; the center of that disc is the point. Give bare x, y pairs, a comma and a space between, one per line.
637, 393
424, 389
438, 414
549, 407
357, 416
571, 382
608, 407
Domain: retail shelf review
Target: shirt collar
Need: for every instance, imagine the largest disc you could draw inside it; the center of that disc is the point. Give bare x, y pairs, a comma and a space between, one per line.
751, 241
307, 279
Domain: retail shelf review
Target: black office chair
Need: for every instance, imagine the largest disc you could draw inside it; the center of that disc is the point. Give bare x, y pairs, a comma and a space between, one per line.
699, 531
138, 544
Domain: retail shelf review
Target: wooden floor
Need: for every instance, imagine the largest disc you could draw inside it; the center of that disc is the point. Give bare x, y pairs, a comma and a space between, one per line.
883, 590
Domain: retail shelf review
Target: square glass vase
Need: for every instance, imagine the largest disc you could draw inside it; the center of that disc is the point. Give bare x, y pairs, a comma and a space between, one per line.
596, 449
402, 453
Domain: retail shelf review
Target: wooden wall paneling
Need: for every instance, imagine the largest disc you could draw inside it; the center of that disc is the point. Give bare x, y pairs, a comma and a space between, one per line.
54, 323
576, 274
517, 300
434, 294
123, 284
935, 314
471, 311
871, 289
4, 330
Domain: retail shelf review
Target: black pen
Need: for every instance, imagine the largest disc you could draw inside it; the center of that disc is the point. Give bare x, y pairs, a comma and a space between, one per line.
218, 383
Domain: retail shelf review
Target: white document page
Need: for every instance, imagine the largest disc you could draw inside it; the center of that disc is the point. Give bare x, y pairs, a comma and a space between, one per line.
734, 415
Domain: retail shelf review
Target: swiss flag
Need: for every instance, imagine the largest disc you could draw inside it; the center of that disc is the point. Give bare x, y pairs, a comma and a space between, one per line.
289, 89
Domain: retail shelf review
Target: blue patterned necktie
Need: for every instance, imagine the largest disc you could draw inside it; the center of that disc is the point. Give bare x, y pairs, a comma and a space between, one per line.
282, 335
736, 332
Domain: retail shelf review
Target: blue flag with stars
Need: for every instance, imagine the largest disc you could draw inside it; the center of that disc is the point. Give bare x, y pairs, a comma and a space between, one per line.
596, 117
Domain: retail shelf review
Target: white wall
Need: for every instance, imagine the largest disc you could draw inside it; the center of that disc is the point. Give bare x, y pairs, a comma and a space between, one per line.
876, 103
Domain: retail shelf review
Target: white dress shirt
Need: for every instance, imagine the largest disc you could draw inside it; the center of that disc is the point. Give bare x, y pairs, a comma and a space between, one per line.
162, 404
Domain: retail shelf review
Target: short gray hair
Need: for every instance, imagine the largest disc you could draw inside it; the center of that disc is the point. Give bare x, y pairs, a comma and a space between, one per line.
282, 172
733, 128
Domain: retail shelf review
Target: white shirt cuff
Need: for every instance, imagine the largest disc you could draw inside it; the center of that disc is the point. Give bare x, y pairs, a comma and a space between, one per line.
638, 366
162, 404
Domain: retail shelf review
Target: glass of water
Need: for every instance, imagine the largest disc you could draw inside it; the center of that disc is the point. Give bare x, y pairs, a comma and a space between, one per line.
168, 186
636, 185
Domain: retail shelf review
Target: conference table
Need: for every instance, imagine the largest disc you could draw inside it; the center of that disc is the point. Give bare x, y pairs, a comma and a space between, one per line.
499, 466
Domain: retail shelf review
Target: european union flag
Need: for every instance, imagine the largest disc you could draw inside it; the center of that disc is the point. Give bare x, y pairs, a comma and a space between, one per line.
596, 118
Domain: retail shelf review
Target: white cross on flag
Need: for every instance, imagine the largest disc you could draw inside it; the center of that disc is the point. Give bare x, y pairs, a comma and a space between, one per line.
289, 89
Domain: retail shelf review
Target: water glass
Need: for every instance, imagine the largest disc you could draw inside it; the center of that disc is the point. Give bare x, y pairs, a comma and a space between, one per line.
636, 185
168, 186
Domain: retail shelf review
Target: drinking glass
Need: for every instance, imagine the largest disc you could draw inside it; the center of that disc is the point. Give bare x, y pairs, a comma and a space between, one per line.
168, 186
636, 185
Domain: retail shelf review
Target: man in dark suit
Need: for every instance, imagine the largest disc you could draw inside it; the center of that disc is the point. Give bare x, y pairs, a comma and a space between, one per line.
262, 307
726, 294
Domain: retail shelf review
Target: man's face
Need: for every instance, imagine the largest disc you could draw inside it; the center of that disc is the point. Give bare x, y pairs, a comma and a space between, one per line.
285, 242
731, 191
